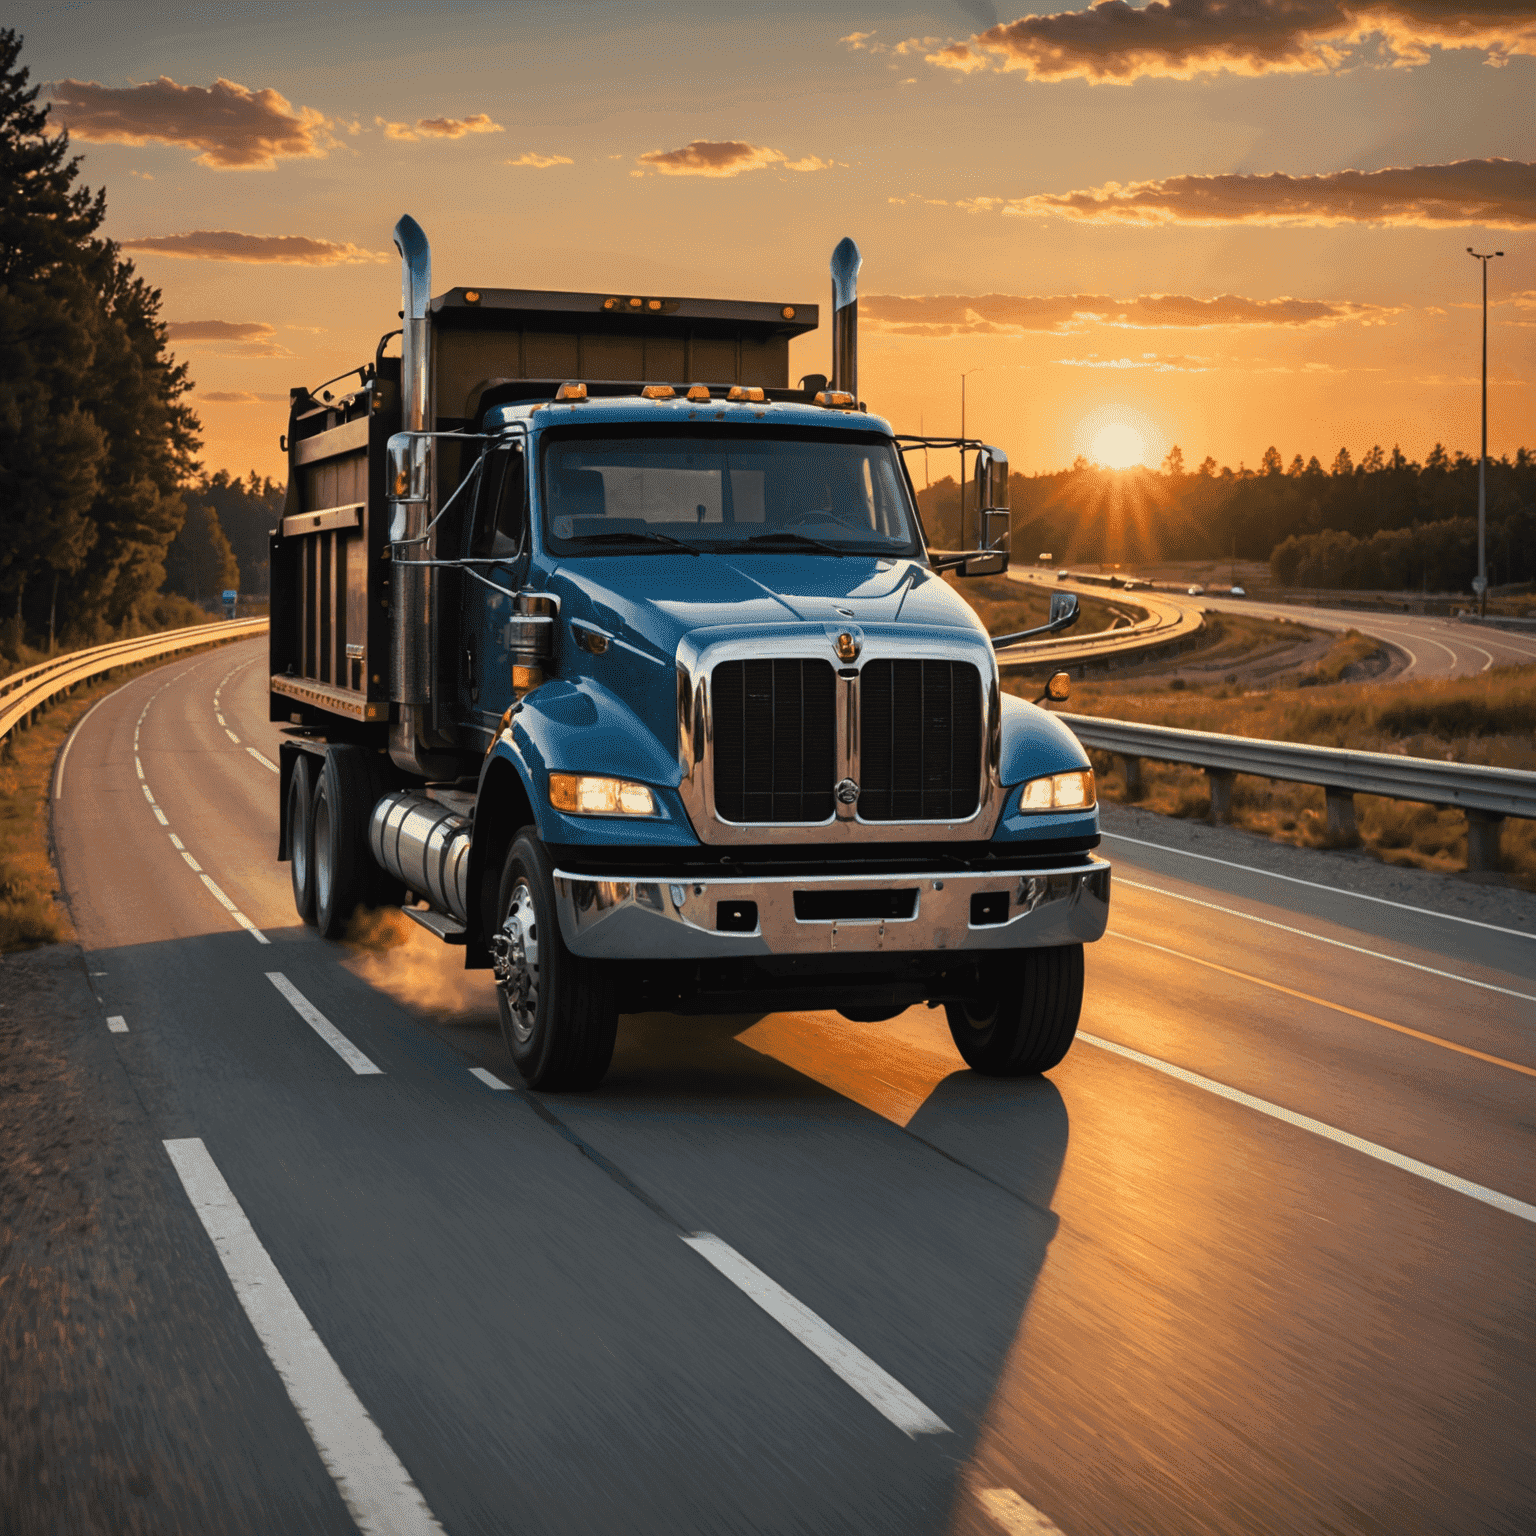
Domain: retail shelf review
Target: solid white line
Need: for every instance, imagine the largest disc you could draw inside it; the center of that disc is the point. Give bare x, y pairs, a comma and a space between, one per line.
1329, 1132
58, 778
1315, 885
880, 1390
1015, 1515
490, 1079
266, 762
232, 736
118, 1024
377, 1489
160, 816
1306, 933
323, 1027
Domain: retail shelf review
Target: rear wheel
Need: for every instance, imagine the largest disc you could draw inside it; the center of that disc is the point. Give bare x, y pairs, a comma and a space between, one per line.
345, 874
1025, 1019
559, 1011
301, 836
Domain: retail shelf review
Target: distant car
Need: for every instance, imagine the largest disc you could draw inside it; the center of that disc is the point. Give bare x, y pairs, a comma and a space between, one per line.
1063, 575
1238, 592
1131, 586
1197, 591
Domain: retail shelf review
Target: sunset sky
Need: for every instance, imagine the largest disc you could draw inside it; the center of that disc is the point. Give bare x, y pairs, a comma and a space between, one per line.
1219, 225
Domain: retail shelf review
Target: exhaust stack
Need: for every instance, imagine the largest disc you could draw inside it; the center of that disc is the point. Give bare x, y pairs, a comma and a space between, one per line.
412, 644
846, 262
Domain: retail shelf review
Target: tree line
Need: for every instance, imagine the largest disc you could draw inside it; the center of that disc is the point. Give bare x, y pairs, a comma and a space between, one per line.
101, 500
1348, 524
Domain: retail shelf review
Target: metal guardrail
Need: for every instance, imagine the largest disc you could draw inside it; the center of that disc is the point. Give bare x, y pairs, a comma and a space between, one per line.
26, 691
1486, 795
1166, 622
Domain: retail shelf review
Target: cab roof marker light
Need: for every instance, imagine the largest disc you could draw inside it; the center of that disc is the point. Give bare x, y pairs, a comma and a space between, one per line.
699, 392
836, 400
571, 392
658, 392
745, 392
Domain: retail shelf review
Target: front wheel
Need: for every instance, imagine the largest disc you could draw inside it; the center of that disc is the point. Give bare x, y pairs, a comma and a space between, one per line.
559, 1011
301, 836
1025, 1019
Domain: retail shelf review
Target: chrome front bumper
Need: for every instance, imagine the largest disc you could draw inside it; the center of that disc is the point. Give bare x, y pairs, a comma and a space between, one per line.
628, 919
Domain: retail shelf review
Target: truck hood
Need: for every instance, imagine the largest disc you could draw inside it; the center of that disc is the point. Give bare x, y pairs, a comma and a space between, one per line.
653, 601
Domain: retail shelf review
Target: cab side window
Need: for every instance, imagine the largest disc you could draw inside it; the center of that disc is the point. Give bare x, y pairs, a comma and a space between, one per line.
501, 509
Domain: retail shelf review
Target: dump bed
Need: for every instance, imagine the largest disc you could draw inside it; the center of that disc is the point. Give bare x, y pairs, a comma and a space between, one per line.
332, 605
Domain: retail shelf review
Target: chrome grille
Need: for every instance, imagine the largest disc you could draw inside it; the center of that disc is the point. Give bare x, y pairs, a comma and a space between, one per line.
919, 740
774, 740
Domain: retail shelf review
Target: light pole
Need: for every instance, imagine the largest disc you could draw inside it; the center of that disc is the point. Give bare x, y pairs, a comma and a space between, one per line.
963, 377
1481, 584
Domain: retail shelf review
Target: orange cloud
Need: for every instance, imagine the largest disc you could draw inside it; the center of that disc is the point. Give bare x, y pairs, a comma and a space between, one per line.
1115, 43
229, 338
1008, 314
439, 127
724, 157
540, 162
236, 128
1491, 194
232, 245
239, 397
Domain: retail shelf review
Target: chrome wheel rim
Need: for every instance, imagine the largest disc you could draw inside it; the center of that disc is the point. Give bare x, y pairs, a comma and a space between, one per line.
515, 960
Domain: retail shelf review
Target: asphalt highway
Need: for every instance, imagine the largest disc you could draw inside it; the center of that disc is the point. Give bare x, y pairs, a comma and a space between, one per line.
1260, 1256
1432, 647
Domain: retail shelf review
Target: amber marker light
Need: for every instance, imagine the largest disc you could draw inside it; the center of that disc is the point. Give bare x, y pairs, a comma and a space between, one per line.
745, 392
571, 392
788, 312
658, 392
588, 794
699, 392
471, 295
1060, 792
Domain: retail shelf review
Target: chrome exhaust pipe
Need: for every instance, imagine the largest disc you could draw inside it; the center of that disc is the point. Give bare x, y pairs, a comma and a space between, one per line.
846, 262
413, 645
425, 846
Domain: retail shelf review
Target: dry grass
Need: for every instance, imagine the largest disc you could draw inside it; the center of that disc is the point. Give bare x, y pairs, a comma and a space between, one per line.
1486, 719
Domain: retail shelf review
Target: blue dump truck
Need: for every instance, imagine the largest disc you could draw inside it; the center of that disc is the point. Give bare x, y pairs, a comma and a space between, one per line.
625, 666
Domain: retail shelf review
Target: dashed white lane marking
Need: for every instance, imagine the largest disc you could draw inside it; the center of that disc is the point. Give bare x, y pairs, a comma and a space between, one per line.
266, 762
148, 793
177, 844
118, 1024
323, 1027
490, 1080
1411, 1165
161, 817
1306, 933
217, 716
377, 1489
879, 1389
232, 736
1314, 885
138, 766
1015, 1515
196, 868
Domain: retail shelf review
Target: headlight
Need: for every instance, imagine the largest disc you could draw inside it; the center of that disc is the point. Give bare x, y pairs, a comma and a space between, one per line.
1061, 792
586, 794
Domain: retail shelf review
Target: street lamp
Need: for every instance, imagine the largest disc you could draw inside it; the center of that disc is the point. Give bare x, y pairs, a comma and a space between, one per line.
1481, 584
963, 377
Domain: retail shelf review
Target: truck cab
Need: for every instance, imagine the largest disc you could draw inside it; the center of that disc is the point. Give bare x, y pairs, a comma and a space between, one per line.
657, 698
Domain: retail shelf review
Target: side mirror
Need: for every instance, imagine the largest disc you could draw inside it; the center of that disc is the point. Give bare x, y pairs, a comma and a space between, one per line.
991, 480
407, 474
1063, 611
991, 562
996, 525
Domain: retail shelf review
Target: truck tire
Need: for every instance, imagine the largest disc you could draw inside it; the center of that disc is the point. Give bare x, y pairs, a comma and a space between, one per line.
559, 1011
1024, 1024
301, 836
345, 875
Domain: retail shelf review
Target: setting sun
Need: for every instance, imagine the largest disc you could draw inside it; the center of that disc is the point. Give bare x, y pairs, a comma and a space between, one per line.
1119, 446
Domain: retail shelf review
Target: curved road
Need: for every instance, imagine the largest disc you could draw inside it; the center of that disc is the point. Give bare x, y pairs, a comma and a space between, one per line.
1259, 1256
1434, 647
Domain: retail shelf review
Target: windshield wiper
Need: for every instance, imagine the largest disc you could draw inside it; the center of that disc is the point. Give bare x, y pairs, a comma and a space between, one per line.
631, 535
788, 535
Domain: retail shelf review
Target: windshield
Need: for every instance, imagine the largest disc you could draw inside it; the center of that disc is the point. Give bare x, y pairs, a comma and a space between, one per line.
766, 491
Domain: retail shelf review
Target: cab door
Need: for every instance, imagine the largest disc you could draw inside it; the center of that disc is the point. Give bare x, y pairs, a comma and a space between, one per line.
497, 551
